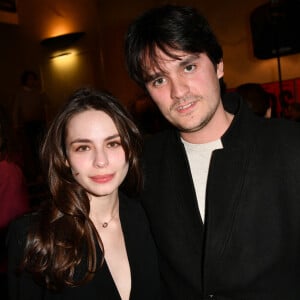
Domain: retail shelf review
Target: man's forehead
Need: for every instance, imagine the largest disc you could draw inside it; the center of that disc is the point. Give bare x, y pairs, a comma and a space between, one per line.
157, 65
157, 62
164, 56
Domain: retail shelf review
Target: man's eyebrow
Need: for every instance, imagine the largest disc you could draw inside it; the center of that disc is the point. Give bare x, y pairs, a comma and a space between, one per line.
150, 77
188, 59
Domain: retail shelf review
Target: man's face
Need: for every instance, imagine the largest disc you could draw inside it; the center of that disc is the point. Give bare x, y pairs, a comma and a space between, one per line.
186, 90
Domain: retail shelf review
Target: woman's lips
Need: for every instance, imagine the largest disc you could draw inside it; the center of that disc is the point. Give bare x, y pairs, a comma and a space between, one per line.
102, 178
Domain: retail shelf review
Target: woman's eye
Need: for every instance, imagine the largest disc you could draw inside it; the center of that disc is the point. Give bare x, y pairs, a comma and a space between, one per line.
158, 81
82, 148
114, 144
190, 68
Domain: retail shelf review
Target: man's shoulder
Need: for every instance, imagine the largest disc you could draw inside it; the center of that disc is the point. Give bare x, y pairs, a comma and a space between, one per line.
286, 128
285, 132
160, 139
156, 145
162, 147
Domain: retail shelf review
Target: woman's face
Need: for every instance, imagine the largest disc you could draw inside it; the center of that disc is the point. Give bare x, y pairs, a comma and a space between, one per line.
95, 154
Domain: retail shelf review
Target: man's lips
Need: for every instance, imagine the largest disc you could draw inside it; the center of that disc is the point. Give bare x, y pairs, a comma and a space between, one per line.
185, 107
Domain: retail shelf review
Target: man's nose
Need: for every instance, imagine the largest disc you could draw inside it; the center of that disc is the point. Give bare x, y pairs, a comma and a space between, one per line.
179, 88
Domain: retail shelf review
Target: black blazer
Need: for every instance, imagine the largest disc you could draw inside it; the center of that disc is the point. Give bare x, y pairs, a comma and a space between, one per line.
141, 255
249, 246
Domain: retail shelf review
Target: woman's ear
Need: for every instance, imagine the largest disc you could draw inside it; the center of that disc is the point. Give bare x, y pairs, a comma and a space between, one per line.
74, 172
67, 163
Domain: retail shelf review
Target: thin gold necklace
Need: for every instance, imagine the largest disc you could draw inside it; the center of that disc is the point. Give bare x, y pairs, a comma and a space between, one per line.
105, 224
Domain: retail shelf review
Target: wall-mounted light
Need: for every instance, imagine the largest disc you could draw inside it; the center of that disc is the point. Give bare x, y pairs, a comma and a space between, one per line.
62, 41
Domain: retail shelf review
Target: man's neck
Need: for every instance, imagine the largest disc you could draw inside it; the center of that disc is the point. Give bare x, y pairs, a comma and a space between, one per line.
212, 131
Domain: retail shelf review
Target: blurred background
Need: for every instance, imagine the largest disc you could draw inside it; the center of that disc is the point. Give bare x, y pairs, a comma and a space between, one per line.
96, 58
49, 48
62, 45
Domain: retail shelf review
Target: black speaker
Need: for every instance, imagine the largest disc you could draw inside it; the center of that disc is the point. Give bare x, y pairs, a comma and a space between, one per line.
275, 29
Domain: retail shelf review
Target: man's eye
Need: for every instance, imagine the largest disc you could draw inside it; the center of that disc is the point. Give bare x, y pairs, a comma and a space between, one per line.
189, 68
158, 81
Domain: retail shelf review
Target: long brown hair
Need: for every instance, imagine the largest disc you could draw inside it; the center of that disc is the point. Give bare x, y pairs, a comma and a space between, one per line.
64, 233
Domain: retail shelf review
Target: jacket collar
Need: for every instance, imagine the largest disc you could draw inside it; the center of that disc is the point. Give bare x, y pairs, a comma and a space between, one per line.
244, 124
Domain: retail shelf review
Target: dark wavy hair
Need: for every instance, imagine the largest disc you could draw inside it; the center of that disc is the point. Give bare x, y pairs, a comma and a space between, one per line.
167, 28
64, 233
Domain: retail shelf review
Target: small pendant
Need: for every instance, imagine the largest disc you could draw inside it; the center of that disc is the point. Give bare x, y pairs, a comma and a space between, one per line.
105, 224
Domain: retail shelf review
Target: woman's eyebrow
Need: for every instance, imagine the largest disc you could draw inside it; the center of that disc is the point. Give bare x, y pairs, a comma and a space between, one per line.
84, 140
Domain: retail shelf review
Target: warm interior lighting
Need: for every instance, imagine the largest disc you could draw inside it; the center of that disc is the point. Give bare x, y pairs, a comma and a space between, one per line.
64, 61
60, 54
55, 29
9, 17
62, 41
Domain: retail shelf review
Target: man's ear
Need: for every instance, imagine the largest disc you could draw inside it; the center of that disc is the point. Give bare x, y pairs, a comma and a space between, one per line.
220, 69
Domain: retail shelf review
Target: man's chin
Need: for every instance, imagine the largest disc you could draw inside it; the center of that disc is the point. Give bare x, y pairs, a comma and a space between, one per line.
191, 129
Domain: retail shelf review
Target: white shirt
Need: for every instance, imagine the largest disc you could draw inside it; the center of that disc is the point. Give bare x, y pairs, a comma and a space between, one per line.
199, 156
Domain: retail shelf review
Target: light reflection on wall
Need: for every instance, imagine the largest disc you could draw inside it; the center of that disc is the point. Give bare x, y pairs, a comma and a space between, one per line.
64, 61
64, 73
55, 28
60, 72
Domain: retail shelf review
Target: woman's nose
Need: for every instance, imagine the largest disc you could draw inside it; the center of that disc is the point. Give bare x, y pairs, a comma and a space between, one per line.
101, 159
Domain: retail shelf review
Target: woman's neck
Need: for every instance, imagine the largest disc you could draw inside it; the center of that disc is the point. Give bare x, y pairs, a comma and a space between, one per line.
104, 209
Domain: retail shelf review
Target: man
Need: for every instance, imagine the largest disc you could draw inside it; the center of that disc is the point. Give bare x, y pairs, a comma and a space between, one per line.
222, 189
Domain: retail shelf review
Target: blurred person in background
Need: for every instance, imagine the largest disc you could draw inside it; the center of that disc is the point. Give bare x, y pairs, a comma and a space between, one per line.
292, 112
14, 199
30, 120
258, 100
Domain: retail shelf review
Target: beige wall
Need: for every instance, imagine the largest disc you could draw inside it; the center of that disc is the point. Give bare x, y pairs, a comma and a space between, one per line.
99, 58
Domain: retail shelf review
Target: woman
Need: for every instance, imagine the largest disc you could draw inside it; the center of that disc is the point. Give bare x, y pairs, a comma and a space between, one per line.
90, 241
14, 198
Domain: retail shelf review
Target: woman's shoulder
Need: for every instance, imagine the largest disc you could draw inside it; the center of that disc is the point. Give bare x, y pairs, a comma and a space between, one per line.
20, 226
26, 220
